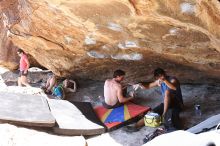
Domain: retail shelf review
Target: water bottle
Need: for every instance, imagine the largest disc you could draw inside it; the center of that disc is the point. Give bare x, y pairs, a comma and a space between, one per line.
197, 107
198, 111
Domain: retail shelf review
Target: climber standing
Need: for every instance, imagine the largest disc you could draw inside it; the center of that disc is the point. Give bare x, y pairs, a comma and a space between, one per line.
23, 67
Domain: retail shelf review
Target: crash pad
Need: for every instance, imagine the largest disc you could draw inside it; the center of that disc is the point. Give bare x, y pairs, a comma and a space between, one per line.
120, 116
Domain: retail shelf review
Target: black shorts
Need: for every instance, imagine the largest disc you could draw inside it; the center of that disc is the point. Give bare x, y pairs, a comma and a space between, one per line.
21, 73
111, 106
159, 109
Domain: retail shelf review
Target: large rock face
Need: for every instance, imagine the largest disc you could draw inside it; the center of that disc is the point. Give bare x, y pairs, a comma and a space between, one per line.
92, 38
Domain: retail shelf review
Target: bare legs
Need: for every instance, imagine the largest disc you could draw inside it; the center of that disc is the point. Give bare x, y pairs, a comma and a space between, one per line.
50, 83
22, 80
140, 123
19, 81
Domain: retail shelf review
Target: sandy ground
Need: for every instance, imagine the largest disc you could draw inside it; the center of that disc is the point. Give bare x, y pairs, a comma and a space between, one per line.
208, 96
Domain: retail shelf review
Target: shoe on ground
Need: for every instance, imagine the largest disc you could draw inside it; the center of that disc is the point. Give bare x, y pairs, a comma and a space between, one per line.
131, 129
157, 132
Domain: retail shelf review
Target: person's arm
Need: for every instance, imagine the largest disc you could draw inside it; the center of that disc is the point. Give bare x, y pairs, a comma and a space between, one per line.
150, 85
146, 85
74, 86
120, 96
172, 84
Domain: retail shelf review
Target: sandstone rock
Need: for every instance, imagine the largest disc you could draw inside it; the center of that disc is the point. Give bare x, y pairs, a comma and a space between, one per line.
101, 139
36, 76
78, 122
27, 110
18, 136
90, 39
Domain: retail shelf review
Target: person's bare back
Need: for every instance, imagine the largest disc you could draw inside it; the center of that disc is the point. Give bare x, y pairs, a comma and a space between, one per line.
111, 88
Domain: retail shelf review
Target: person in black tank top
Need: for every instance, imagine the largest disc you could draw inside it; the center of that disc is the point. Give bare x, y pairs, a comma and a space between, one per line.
172, 103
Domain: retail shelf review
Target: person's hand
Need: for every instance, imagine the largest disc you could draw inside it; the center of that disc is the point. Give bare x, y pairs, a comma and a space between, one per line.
159, 82
162, 78
25, 71
131, 94
136, 86
47, 91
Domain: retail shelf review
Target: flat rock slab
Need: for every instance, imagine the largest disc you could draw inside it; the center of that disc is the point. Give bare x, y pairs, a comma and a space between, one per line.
104, 139
22, 90
23, 109
208, 124
71, 121
17, 136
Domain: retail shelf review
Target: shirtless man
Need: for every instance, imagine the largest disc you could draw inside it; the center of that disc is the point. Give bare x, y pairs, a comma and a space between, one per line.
23, 66
113, 91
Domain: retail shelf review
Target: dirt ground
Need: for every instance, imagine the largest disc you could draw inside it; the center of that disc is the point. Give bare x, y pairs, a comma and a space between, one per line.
207, 95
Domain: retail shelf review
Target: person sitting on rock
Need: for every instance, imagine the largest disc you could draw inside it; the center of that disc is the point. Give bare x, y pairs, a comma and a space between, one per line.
59, 89
113, 91
172, 100
51, 83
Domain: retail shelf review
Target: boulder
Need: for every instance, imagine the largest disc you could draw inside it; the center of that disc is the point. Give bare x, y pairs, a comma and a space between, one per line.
18, 136
91, 38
